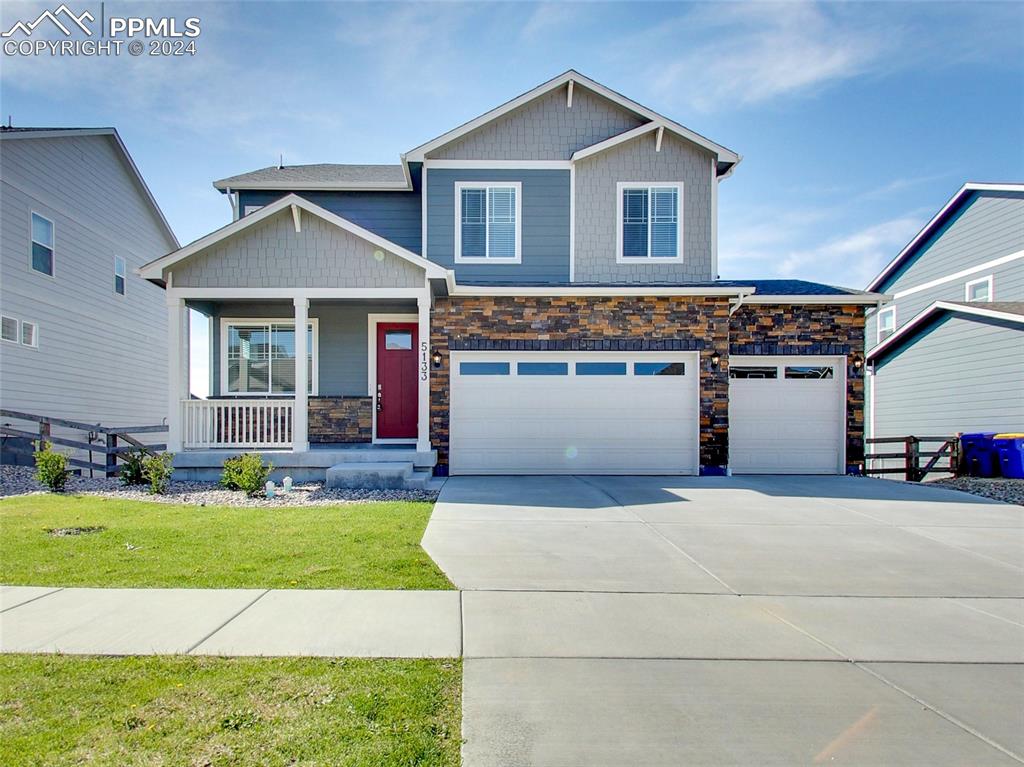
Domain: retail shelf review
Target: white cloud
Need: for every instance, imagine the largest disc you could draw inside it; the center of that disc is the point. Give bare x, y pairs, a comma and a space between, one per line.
547, 18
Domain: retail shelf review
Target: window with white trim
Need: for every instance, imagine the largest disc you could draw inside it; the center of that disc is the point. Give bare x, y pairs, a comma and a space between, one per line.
488, 222
29, 334
42, 244
258, 357
886, 323
649, 222
120, 275
979, 290
9, 329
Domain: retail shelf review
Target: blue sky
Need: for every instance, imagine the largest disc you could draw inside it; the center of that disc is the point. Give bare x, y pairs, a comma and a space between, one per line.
856, 121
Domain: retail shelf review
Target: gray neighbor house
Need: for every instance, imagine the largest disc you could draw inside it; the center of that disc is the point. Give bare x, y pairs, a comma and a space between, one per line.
946, 354
83, 336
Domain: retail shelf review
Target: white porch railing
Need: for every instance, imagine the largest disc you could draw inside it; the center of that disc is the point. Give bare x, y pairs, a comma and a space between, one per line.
238, 423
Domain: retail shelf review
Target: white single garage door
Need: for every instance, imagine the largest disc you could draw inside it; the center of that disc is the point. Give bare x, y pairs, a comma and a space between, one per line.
787, 415
574, 413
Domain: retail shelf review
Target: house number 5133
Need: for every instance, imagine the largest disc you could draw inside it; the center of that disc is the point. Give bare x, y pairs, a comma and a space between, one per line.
424, 367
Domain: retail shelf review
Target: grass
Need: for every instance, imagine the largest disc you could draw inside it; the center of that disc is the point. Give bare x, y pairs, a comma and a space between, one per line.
135, 711
357, 546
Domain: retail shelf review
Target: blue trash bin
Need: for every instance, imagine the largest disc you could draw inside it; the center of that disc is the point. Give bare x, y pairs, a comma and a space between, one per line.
980, 458
1010, 449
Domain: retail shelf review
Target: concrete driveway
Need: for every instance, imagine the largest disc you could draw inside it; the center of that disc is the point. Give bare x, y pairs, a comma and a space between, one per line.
712, 621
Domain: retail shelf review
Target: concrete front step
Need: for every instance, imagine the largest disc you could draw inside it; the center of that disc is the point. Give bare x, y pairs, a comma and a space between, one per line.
391, 475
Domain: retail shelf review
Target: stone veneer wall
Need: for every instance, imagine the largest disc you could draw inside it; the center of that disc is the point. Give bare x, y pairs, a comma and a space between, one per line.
340, 419
810, 329
588, 324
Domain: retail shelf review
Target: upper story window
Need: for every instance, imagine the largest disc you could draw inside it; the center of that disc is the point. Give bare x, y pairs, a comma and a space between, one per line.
886, 323
650, 222
120, 275
488, 222
979, 290
42, 244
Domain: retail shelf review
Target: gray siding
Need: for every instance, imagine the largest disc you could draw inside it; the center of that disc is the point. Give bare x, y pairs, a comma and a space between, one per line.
273, 255
343, 336
544, 129
102, 357
596, 209
545, 225
961, 375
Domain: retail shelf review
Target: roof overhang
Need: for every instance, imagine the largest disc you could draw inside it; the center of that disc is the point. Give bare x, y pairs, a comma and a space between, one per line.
928, 314
154, 269
367, 186
116, 138
455, 289
834, 299
937, 220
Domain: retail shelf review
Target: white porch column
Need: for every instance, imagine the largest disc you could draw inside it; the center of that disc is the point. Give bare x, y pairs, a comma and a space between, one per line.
300, 424
423, 374
177, 371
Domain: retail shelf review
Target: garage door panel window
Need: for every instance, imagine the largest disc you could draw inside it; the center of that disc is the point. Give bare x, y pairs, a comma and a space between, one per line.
484, 369
752, 372
542, 369
809, 373
600, 368
659, 368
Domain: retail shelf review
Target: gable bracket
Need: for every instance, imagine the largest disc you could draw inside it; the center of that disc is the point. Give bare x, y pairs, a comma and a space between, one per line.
657, 143
297, 217
568, 98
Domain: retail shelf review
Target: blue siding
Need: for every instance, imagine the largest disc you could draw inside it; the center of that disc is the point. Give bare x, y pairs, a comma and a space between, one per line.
545, 225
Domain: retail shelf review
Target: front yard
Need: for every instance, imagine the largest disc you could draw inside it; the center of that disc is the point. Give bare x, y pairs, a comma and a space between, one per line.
59, 710
141, 544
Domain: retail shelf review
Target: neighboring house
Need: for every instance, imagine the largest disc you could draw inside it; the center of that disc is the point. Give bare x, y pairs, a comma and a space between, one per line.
83, 336
946, 355
533, 292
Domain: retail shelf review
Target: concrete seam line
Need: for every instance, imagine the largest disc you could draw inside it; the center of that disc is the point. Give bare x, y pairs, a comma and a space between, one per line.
225, 623
657, 532
33, 599
957, 601
961, 548
948, 717
807, 634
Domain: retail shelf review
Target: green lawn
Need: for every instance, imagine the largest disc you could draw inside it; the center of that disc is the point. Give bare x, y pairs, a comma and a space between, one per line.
128, 712
357, 546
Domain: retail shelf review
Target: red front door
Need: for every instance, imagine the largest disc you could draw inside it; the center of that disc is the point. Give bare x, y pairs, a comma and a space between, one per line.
396, 394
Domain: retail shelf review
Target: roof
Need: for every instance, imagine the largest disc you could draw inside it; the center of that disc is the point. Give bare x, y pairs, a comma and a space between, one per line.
10, 133
950, 209
324, 176
1007, 311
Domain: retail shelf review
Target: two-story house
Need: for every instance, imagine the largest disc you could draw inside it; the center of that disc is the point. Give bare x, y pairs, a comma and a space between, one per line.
946, 355
83, 337
534, 291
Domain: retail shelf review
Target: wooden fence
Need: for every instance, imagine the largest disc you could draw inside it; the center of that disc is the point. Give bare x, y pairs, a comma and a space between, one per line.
102, 440
912, 454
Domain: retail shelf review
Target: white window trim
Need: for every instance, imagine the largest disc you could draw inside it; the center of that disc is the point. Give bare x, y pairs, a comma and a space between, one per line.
878, 322
623, 185
226, 322
53, 247
989, 281
459, 186
123, 275
17, 330
35, 334
250, 209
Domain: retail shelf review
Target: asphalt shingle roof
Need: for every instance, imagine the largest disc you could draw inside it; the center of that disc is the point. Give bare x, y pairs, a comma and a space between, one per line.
321, 175
763, 287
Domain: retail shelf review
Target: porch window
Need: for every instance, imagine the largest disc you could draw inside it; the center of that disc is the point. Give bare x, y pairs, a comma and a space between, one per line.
258, 357
649, 222
488, 222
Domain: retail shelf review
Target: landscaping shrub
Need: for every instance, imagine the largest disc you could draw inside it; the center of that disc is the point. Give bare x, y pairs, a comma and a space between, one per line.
158, 470
246, 472
133, 470
52, 468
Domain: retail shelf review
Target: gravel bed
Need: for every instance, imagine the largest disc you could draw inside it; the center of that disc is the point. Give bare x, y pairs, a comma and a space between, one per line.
19, 480
998, 489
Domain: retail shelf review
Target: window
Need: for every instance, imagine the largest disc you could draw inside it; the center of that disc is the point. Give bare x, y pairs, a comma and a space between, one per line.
542, 369
29, 334
483, 368
979, 290
659, 368
42, 244
120, 272
10, 329
736, 371
809, 373
258, 357
600, 368
398, 340
650, 224
886, 323
250, 209
488, 222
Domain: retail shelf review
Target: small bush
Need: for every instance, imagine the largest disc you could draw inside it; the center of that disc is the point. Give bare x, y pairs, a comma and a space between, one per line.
246, 472
158, 470
52, 468
133, 470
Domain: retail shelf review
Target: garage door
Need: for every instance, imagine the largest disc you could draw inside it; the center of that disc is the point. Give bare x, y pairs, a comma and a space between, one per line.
585, 413
786, 415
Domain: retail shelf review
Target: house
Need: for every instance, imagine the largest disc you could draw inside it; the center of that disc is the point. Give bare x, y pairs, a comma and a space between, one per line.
946, 355
534, 291
83, 337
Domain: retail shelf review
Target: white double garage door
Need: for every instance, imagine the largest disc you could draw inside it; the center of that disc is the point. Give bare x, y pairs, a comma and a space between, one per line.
638, 413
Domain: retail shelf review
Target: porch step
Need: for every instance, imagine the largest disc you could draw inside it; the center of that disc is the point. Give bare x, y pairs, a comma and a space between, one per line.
392, 475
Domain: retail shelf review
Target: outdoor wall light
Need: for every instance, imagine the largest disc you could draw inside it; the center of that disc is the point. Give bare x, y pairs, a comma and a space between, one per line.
858, 362
436, 359
715, 359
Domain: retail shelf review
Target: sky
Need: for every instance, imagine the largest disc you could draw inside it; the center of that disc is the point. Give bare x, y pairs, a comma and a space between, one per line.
856, 121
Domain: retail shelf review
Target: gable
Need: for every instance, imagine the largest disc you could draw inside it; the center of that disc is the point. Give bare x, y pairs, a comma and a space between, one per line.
271, 254
544, 128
